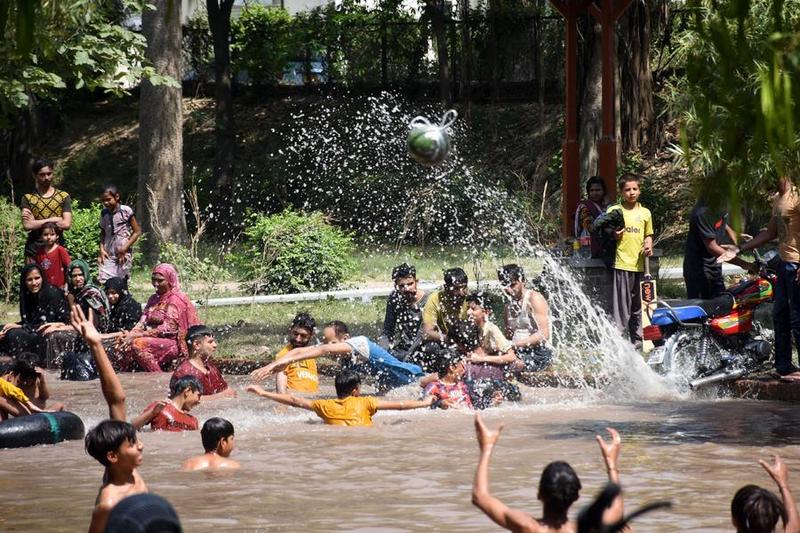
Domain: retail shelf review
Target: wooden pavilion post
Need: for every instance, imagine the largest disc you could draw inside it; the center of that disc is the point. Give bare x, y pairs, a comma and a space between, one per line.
570, 148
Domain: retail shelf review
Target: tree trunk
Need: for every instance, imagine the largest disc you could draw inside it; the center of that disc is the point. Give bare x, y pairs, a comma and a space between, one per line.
466, 58
637, 115
219, 20
590, 103
494, 56
435, 9
160, 189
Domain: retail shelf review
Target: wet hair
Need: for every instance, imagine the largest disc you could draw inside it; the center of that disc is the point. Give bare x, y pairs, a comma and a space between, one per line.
510, 273
106, 437
305, 321
51, 226
23, 368
40, 163
346, 382
756, 510
483, 299
595, 180
143, 513
444, 359
404, 271
186, 382
214, 430
455, 276
339, 327
111, 189
466, 334
196, 331
628, 177
559, 487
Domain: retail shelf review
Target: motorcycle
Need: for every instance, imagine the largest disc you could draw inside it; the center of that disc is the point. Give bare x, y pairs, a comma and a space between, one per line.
704, 342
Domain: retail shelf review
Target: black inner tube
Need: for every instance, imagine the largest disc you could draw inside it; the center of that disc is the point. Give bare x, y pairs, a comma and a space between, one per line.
40, 428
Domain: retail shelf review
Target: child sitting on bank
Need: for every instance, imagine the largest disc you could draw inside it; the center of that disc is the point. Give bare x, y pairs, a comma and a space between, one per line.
173, 414
52, 257
217, 437
112, 442
349, 408
359, 353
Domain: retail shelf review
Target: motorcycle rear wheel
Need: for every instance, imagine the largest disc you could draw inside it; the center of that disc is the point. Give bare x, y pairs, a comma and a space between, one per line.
688, 359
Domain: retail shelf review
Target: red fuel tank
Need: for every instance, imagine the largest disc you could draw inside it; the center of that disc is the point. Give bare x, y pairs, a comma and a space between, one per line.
738, 321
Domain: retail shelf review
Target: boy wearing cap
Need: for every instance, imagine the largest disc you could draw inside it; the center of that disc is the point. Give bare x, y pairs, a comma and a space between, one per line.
202, 347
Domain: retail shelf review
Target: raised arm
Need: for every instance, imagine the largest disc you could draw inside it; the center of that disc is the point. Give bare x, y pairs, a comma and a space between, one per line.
286, 399
403, 405
300, 354
109, 381
610, 452
780, 474
501, 514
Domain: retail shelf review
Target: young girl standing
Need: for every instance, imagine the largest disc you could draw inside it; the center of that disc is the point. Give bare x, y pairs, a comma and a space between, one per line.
52, 257
118, 231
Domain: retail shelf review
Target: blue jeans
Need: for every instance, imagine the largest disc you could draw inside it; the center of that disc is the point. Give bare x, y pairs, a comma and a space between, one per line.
786, 316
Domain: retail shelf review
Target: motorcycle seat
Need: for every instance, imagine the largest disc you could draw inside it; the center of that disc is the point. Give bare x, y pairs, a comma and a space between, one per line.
689, 310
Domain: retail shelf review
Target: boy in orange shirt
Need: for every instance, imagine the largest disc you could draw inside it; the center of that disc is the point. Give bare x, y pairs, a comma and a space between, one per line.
349, 408
301, 376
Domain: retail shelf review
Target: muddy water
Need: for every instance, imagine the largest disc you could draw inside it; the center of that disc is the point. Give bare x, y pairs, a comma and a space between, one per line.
412, 471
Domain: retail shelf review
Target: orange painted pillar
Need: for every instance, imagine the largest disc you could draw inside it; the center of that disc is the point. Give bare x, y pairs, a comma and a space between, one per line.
570, 148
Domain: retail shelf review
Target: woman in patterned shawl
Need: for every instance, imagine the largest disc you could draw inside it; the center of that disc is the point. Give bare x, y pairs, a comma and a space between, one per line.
160, 336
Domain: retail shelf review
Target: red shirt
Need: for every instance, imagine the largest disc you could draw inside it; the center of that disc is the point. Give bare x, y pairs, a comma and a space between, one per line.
457, 392
54, 265
212, 381
172, 419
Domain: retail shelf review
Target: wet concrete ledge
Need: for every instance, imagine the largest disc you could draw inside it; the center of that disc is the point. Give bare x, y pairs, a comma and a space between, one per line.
767, 388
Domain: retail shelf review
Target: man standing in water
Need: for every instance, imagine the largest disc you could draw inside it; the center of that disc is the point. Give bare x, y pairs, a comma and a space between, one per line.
785, 225
45, 204
402, 333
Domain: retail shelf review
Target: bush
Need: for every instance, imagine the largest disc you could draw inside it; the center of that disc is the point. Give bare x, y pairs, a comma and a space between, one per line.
192, 269
12, 244
295, 252
261, 43
83, 238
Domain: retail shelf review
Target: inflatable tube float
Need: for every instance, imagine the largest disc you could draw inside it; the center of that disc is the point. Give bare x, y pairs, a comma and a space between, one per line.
40, 428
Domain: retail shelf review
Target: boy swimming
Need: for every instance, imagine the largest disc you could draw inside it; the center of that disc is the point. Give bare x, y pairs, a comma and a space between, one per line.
217, 436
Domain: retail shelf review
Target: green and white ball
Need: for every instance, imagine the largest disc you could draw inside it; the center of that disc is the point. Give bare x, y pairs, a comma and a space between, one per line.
428, 144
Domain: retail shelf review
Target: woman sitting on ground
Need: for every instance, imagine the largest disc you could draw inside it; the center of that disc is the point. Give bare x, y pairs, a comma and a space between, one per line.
125, 310
43, 309
89, 296
160, 336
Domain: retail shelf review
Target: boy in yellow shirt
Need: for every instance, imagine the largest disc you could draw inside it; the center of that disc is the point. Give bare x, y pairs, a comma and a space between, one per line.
634, 242
349, 408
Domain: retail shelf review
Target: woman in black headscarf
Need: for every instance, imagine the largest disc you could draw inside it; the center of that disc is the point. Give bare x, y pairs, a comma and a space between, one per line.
42, 308
125, 311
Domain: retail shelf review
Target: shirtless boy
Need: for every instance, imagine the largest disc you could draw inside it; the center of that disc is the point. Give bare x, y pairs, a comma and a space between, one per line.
558, 488
217, 437
113, 442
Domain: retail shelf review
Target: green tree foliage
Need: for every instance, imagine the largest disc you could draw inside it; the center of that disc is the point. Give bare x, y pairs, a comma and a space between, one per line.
262, 43
56, 44
12, 242
738, 101
83, 238
295, 252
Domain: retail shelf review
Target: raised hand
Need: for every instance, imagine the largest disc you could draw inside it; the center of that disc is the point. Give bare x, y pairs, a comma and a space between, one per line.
610, 450
84, 326
777, 470
486, 438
